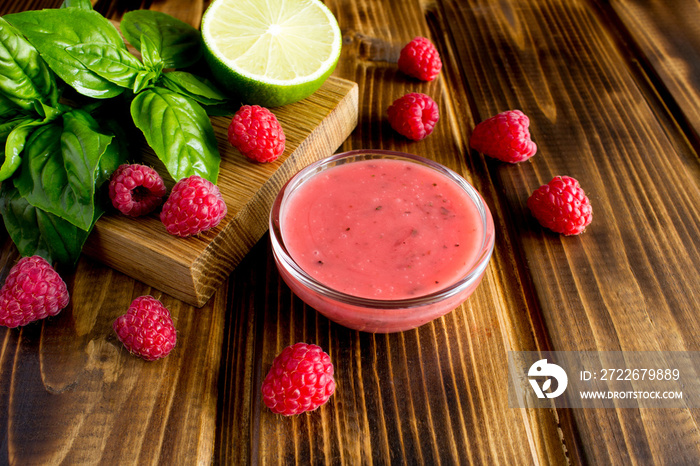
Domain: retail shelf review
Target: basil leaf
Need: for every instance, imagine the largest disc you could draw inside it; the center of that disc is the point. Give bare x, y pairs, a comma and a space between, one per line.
84, 146
18, 133
47, 112
144, 80
180, 44
111, 159
112, 118
82, 4
8, 109
24, 76
150, 52
9, 124
35, 231
115, 64
52, 31
196, 88
14, 145
179, 131
60, 167
43, 147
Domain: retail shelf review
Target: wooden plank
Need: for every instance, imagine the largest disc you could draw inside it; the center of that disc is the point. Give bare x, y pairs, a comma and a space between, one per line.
631, 281
666, 39
191, 269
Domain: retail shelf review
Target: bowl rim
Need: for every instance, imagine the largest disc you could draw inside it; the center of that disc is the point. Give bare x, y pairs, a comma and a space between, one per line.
284, 259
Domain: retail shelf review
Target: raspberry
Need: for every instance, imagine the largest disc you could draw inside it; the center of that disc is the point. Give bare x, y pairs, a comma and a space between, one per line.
561, 205
146, 329
33, 290
414, 115
136, 190
256, 133
420, 59
194, 205
301, 379
505, 137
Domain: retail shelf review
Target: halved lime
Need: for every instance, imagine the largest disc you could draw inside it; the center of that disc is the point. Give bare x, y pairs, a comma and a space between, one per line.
271, 52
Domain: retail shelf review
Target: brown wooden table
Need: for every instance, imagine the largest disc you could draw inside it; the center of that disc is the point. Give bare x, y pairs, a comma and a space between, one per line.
613, 92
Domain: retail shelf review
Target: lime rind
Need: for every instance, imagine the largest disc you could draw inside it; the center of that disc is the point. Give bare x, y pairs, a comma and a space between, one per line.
269, 53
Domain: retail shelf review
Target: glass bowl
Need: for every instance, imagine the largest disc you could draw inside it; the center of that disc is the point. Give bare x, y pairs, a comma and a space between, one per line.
373, 314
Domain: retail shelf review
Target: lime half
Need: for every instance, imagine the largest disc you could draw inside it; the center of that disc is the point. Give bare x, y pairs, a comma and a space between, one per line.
271, 52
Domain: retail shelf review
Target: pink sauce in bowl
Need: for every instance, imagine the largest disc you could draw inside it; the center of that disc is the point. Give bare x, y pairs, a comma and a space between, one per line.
380, 241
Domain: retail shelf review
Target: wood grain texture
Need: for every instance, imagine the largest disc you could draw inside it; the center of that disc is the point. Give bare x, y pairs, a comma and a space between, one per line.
191, 269
630, 282
611, 89
667, 45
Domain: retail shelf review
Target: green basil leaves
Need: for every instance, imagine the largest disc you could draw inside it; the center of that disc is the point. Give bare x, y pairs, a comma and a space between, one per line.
24, 77
53, 31
60, 167
179, 131
57, 152
115, 64
180, 44
35, 231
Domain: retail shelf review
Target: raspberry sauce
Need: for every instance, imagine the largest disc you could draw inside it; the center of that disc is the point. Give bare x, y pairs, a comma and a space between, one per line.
382, 229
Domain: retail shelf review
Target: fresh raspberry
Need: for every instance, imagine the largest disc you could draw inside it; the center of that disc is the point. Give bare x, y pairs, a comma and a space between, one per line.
146, 329
256, 133
414, 115
504, 136
33, 290
420, 59
194, 205
136, 190
301, 379
561, 205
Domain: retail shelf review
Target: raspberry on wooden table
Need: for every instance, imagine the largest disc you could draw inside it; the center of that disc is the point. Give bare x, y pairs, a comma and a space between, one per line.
32, 291
136, 189
413, 115
257, 134
194, 205
505, 136
146, 329
420, 59
300, 380
561, 205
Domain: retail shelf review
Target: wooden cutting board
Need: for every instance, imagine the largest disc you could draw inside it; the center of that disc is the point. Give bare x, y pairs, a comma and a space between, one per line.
191, 269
